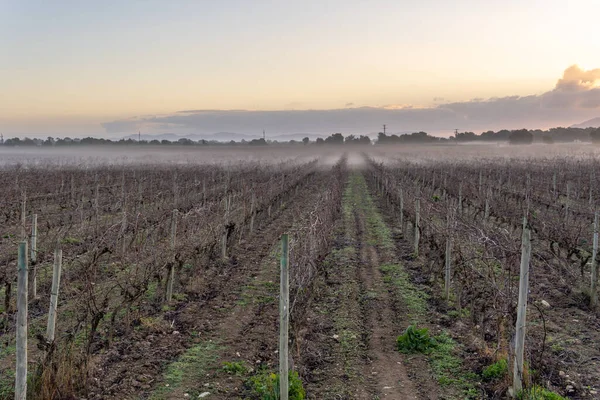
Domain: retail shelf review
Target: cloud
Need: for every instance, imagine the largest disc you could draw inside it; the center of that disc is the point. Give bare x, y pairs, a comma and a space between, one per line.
574, 99
575, 79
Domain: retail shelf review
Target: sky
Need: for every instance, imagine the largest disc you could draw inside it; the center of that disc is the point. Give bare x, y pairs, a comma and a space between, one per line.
112, 68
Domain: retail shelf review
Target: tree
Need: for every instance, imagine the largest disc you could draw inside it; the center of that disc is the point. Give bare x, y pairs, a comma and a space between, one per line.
521, 136
595, 136
305, 141
336, 138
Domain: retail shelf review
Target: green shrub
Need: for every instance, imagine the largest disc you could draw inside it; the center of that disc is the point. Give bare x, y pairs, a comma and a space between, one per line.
497, 370
235, 368
539, 393
415, 340
265, 386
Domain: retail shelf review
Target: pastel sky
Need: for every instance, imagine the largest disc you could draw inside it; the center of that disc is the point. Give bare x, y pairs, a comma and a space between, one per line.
110, 68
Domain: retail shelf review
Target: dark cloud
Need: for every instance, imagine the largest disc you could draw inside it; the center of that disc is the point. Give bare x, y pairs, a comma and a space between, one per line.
575, 98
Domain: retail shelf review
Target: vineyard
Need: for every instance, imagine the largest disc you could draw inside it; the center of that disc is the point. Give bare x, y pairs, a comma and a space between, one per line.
430, 273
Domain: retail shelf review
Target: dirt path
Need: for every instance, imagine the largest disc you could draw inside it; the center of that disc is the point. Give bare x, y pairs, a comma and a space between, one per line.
357, 317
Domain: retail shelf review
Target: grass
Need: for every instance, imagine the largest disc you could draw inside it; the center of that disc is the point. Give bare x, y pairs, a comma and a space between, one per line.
189, 369
265, 386
497, 370
448, 367
539, 393
415, 299
237, 368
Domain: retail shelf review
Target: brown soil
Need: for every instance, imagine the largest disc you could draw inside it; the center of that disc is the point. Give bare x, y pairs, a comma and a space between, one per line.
133, 367
355, 321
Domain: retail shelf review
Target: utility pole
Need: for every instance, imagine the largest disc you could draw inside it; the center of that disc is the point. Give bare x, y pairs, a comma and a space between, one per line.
456, 132
139, 136
384, 129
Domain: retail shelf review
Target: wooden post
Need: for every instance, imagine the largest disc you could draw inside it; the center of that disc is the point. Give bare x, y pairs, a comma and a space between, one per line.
284, 317
593, 288
401, 211
591, 199
486, 214
448, 257
225, 228
23, 208
72, 189
480, 180
171, 277
33, 256
460, 198
567, 201
252, 211
54, 295
21, 373
554, 184
522, 308
417, 226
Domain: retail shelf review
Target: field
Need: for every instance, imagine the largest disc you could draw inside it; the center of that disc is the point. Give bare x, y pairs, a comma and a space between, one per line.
170, 271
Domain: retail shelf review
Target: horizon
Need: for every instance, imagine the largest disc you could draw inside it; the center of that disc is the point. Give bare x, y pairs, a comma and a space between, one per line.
113, 69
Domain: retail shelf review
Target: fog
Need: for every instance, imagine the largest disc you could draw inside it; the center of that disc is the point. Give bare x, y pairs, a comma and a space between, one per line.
327, 155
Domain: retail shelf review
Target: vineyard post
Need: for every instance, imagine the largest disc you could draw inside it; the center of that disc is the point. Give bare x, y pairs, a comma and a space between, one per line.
284, 316
567, 201
486, 214
72, 189
171, 277
522, 308
252, 211
460, 198
593, 288
54, 295
21, 354
33, 256
96, 204
204, 191
417, 226
554, 184
448, 257
591, 200
401, 211
225, 228
480, 180
23, 213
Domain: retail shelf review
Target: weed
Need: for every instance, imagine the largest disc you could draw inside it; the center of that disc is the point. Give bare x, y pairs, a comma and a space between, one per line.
265, 386
235, 368
415, 340
538, 393
415, 300
448, 368
188, 368
497, 370
70, 240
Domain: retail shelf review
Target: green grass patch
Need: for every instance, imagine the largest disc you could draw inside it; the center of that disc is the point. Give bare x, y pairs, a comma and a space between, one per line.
539, 393
237, 368
265, 386
189, 369
415, 299
497, 370
71, 240
448, 368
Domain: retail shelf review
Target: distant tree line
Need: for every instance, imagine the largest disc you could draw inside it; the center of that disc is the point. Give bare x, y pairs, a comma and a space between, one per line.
517, 137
